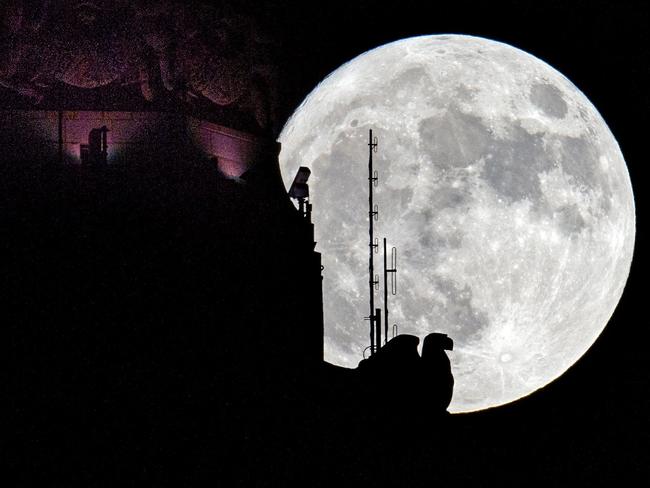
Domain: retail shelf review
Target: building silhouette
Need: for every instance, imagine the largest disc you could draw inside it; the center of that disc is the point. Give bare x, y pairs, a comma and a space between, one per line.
164, 294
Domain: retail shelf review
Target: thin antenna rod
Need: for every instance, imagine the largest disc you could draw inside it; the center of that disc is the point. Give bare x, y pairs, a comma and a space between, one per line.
385, 294
393, 271
372, 246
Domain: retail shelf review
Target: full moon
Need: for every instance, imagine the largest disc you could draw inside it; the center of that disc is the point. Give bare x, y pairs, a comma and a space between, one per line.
503, 190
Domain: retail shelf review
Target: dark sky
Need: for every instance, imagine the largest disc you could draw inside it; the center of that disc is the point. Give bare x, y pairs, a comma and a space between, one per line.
594, 419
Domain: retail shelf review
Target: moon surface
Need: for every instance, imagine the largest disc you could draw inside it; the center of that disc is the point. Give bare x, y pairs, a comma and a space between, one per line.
501, 186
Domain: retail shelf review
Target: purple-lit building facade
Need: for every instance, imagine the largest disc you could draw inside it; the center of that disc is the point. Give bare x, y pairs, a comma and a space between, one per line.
57, 136
169, 86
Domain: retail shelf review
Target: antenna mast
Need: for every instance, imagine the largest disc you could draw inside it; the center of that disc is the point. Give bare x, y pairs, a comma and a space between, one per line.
373, 245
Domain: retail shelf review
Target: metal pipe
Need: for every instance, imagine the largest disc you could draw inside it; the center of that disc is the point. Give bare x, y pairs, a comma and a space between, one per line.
60, 137
104, 145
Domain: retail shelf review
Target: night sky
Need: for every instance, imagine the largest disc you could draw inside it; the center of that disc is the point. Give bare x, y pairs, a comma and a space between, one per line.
590, 426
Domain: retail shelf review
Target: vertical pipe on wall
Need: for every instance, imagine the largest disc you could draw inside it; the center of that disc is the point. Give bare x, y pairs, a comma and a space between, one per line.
60, 117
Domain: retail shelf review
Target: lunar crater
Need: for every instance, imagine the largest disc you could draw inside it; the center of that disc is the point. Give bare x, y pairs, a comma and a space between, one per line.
549, 99
505, 357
